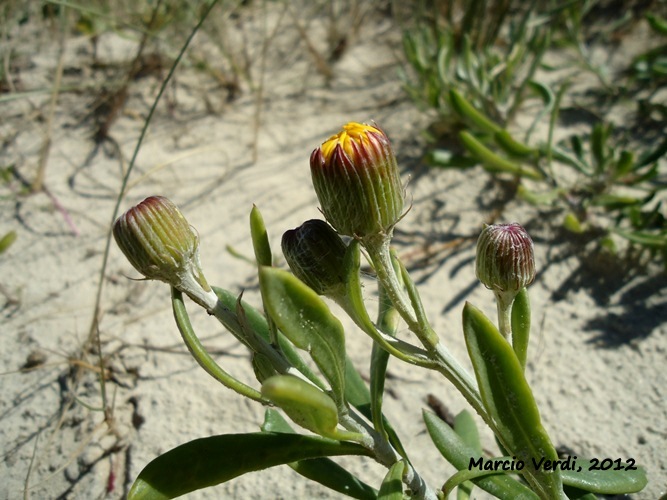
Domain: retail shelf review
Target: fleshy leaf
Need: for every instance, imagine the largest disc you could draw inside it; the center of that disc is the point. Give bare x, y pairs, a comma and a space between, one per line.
388, 321
509, 400
511, 146
322, 470
467, 475
305, 404
260, 238
605, 482
464, 426
201, 355
494, 163
392, 484
459, 454
213, 460
471, 114
306, 320
262, 248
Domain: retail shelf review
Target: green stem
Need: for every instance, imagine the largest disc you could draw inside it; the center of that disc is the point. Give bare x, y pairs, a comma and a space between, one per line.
504, 304
410, 308
252, 340
380, 255
202, 356
385, 455
248, 337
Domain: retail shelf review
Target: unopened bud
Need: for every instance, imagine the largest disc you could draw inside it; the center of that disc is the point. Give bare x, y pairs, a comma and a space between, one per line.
160, 244
505, 258
315, 254
356, 179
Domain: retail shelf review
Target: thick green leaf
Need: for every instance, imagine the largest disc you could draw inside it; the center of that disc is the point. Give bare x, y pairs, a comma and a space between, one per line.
521, 326
213, 460
353, 304
260, 238
392, 484
652, 156
599, 137
572, 223
614, 201
563, 156
464, 426
509, 400
466, 476
262, 248
306, 320
378, 373
657, 23
511, 146
388, 321
468, 112
494, 163
534, 198
321, 470
625, 164
605, 482
646, 238
447, 159
457, 452
305, 404
7, 240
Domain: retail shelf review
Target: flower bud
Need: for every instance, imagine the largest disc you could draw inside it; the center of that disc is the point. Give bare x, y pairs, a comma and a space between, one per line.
161, 245
315, 254
505, 258
356, 179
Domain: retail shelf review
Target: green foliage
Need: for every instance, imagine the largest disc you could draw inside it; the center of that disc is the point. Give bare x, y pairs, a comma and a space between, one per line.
508, 398
214, 460
333, 401
303, 321
602, 184
475, 57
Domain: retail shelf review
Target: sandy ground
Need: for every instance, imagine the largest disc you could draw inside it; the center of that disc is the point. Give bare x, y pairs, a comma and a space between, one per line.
597, 362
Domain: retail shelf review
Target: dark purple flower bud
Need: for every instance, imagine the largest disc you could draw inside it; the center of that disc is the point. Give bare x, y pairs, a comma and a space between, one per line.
315, 254
505, 258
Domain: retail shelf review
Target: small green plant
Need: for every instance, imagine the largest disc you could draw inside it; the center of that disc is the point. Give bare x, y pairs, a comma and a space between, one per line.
599, 186
488, 60
355, 176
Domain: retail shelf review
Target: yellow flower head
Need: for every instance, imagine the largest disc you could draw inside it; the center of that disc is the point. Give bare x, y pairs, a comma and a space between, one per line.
356, 179
352, 134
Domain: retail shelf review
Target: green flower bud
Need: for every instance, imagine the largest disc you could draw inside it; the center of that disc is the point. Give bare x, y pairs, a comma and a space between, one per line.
161, 245
505, 258
356, 179
315, 254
